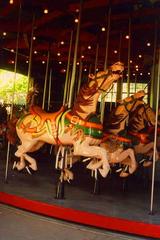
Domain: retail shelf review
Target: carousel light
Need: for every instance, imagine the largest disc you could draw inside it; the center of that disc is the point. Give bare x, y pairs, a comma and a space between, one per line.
140, 56
77, 63
43, 62
60, 62
34, 38
131, 61
85, 70
12, 61
115, 51
35, 52
137, 69
12, 50
136, 66
45, 11
77, 10
149, 73
141, 74
62, 42
58, 54
27, 61
127, 36
134, 74
96, 69
11, 2
76, 20
103, 29
82, 56
4, 33
148, 44
89, 47
127, 75
64, 70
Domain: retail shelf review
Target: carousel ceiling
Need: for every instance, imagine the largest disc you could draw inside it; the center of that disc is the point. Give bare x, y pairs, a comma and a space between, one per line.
50, 24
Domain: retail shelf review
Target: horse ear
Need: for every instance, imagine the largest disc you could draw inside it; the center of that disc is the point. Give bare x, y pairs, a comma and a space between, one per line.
91, 76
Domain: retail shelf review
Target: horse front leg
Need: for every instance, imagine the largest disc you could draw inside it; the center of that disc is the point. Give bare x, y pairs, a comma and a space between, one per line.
20, 164
146, 149
86, 150
127, 157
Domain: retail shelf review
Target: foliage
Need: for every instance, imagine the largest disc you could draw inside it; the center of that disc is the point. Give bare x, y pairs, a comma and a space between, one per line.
13, 87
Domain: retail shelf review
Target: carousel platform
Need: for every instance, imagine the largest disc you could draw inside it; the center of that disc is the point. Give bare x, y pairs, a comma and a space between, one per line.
121, 205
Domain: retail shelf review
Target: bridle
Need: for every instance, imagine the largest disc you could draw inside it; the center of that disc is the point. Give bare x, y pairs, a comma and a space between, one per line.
105, 76
134, 101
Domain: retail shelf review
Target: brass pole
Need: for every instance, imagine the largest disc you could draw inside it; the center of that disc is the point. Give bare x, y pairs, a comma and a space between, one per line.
129, 56
153, 68
66, 86
14, 82
46, 78
102, 105
96, 58
155, 136
80, 76
49, 88
30, 53
75, 58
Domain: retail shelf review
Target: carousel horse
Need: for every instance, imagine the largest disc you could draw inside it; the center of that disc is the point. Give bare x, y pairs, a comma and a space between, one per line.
119, 147
78, 127
140, 125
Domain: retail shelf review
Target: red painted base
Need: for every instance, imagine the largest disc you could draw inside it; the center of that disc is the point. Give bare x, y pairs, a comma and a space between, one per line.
77, 216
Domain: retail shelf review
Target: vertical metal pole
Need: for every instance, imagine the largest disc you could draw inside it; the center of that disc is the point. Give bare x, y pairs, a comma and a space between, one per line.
80, 76
129, 56
154, 61
14, 81
75, 58
135, 89
102, 105
46, 77
65, 101
96, 58
120, 82
30, 53
155, 138
49, 88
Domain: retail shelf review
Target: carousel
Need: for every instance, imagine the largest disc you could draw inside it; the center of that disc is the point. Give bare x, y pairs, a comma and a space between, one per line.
84, 144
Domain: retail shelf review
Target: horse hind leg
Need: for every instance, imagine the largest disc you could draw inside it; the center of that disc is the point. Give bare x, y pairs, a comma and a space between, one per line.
84, 149
21, 153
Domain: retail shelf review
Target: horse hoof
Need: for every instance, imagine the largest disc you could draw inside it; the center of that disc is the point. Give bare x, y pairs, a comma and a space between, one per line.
104, 172
33, 167
124, 174
29, 170
147, 164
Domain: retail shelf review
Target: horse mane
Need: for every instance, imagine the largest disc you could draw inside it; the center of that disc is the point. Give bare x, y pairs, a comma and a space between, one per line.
84, 98
137, 121
114, 120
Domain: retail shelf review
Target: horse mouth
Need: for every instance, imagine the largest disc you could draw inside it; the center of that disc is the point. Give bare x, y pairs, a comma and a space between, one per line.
119, 72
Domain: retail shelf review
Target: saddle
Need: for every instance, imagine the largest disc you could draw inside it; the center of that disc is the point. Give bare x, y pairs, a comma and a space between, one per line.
44, 115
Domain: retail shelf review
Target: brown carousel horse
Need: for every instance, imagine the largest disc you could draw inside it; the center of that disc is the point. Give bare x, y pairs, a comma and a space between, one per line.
78, 127
140, 125
119, 147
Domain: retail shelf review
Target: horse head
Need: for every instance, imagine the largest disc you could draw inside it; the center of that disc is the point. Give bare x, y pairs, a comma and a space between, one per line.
104, 79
